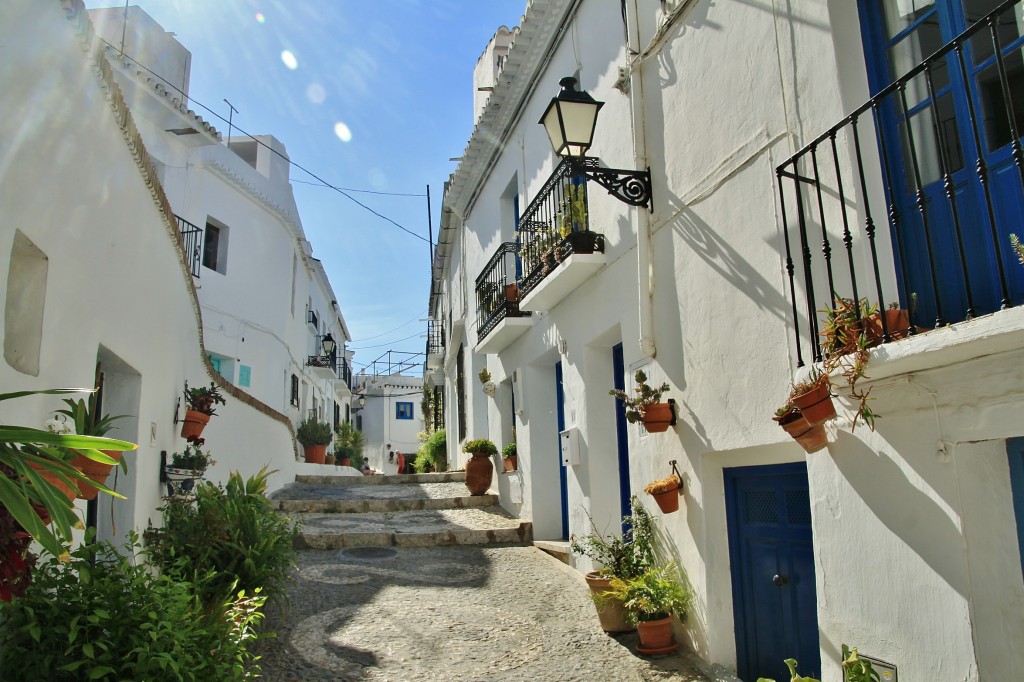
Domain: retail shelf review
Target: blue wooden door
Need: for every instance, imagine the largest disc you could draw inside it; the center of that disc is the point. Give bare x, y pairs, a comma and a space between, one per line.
772, 557
621, 433
950, 126
562, 485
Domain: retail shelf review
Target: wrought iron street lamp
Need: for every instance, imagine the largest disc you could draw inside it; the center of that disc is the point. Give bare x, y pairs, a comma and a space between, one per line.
329, 344
570, 120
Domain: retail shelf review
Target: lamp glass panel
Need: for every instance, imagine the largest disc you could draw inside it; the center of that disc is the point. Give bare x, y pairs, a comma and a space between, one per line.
554, 128
579, 119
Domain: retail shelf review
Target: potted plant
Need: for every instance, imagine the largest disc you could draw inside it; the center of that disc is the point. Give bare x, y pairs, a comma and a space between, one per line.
666, 492
348, 442
646, 407
185, 467
86, 423
509, 457
624, 555
489, 387
199, 403
314, 435
813, 397
479, 469
650, 600
855, 669
435, 449
811, 438
846, 353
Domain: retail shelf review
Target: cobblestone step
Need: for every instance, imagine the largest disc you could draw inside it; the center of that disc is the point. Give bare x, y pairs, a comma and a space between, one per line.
404, 479
427, 528
355, 506
321, 498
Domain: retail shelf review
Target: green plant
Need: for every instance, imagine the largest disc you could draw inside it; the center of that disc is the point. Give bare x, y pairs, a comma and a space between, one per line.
484, 376
855, 669
84, 419
481, 445
1018, 248
348, 437
846, 352
432, 452
102, 617
203, 399
509, 451
230, 539
192, 457
312, 431
573, 214
645, 395
28, 453
620, 556
656, 593
423, 462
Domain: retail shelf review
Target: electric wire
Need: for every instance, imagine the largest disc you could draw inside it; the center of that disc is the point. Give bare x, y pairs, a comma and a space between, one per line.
377, 336
308, 172
381, 345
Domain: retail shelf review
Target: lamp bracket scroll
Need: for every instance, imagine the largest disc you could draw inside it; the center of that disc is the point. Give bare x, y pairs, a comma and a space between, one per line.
631, 186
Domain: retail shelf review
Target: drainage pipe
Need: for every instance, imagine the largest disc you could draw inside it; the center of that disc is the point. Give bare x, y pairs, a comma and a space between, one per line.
645, 265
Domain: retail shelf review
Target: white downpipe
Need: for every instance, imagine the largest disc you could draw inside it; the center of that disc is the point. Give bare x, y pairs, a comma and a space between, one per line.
645, 266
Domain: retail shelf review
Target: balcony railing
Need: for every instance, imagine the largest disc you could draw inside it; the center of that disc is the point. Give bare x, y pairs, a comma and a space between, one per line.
497, 295
435, 338
937, 156
191, 244
312, 319
555, 225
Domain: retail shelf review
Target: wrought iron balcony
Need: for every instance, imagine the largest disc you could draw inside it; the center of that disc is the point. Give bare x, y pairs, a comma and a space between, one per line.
191, 244
497, 295
435, 343
312, 319
936, 155
555, 225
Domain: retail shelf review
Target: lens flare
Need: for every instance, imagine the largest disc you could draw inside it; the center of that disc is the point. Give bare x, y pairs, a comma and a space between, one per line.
260, 19
315, 93
342, 131
289, 60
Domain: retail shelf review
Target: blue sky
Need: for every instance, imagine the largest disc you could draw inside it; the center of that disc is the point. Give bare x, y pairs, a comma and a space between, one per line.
369, 96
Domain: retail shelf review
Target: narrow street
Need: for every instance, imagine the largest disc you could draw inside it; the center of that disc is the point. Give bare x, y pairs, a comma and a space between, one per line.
384, 607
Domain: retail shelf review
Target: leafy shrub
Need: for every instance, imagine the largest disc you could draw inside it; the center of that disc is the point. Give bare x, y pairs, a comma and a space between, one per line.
314, 432
230, 539
621, 556
102, 617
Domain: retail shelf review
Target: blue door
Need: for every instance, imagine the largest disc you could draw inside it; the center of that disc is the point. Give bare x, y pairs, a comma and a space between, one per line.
772, 556
621, 433
562, 487
935, 134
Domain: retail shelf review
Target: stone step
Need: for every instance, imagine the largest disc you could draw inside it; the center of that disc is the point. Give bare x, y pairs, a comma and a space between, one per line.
404, 479
428, 528
321, 498
556, 548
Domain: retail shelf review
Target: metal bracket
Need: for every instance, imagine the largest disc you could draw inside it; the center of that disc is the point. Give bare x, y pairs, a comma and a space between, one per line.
630, 186
675, 470
672, 406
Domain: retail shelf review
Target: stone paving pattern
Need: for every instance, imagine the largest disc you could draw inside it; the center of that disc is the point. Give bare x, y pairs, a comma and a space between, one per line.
448, 613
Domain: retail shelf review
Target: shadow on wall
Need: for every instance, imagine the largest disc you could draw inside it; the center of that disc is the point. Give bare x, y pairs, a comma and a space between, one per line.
910, 514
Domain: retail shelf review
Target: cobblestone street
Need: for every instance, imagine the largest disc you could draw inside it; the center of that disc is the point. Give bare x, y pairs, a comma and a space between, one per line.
448, 613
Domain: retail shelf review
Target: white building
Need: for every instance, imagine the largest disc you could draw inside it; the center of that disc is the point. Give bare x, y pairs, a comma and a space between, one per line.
391, 417
904, 541
267, 303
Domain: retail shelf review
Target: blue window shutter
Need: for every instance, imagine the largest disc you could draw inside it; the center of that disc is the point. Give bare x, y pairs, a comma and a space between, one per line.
244, 375
215, 361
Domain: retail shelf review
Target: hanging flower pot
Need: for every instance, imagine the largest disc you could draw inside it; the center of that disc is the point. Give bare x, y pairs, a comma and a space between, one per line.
657, 417
666, 492
193, 424
97, 471
56, 481
510, 463
815, 404
181, 481
811, 437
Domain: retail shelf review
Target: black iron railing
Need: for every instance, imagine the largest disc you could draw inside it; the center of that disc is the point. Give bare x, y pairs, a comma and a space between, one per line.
435, 337
191, 244
937, 156
345, 372
555, 225
312, 319
497, 295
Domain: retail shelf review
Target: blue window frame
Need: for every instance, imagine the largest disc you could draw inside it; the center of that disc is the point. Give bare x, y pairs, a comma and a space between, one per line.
403, 410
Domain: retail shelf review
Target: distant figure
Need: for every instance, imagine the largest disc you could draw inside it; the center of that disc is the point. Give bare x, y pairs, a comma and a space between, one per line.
401, 463
366, 469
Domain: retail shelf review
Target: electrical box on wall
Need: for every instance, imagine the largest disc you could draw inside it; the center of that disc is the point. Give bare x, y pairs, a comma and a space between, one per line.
570, 445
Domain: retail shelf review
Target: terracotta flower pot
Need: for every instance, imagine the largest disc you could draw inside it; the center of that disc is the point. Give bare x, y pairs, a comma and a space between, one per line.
97, 471
511, 463
511, 292
668, 501
479, 471
329, 459
612, 613
194, 423
810, 437
657, 417
345, 461
315, 454
816, 405
56, 482
896, 321
656, 637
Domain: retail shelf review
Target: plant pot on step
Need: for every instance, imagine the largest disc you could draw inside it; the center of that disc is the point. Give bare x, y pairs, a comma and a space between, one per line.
510, 463
329, 460
97, 471
193, 424
810, 437
479, 471
816, 404
315, 454
657, 417
656, 637
610, 610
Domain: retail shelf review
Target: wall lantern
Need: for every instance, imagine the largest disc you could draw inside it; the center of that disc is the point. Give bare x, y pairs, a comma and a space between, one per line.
362, 401
328, 344
570, 120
